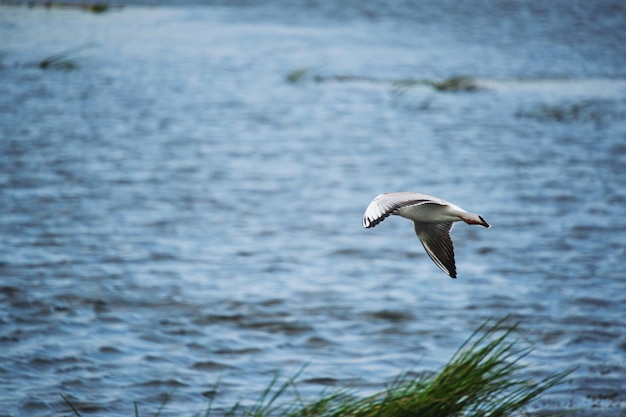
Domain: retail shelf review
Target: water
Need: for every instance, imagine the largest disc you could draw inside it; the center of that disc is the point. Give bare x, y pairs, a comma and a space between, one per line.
181, 199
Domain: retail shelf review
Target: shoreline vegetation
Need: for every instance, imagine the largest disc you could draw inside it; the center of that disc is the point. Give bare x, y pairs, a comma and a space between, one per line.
485, 377
87, 7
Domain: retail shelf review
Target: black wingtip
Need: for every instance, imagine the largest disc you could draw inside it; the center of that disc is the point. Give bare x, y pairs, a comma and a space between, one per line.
452, 272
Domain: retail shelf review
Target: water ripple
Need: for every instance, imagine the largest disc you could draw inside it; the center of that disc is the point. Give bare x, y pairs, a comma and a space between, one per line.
182, 206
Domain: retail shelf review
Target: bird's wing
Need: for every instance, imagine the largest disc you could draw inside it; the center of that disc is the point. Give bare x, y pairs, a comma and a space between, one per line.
435, 238
388, 203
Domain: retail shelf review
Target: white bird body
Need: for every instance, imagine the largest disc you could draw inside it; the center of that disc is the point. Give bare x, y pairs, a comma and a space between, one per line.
433, 219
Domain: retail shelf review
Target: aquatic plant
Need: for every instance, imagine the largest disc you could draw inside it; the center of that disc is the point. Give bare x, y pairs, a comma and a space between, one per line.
453, 84
297, 75
485, 377
456, 84
95, 8
60, 61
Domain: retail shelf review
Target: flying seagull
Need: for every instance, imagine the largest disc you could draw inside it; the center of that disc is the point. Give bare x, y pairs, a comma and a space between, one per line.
433, 219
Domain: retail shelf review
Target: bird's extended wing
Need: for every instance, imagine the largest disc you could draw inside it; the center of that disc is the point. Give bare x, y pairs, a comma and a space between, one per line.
435, 238
386, 204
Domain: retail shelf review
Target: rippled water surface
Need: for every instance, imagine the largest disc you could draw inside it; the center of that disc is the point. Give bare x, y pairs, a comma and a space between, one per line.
181, 197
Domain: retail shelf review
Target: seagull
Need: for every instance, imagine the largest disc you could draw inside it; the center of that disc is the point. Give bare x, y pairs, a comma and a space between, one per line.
433, 219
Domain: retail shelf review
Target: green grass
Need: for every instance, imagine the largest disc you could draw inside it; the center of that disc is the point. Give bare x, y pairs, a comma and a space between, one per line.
485, 377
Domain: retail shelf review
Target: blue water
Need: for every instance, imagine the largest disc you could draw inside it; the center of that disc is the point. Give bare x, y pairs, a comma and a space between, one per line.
181, 198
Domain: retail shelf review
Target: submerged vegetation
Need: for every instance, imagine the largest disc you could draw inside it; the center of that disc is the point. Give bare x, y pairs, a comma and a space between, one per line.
485, 377
453, 84
587, 111
60, 60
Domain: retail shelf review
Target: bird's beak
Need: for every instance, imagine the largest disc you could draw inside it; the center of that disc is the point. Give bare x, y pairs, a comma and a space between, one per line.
483, 222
